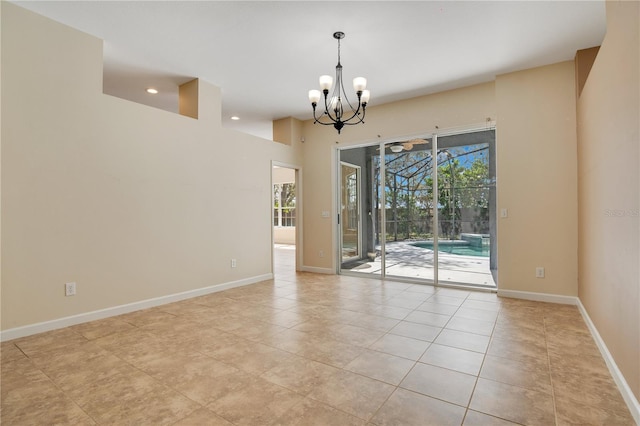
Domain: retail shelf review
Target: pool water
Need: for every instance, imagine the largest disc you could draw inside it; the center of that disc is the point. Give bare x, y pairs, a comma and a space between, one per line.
461, 248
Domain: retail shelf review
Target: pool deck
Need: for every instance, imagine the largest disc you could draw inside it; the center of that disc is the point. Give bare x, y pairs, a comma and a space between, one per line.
408, 261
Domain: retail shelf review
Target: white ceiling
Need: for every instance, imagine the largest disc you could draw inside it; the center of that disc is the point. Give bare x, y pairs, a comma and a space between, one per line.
266, 55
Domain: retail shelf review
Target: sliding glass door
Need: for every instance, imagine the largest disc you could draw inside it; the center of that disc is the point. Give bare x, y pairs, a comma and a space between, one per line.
428, 206
466, 209
408, 209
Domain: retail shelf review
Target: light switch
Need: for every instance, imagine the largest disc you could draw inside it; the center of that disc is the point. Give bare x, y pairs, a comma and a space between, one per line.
325, 213
504, 213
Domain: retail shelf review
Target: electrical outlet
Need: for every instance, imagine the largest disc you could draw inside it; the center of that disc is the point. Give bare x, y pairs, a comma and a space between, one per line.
70, 289
539, 272
321, 253
234, 263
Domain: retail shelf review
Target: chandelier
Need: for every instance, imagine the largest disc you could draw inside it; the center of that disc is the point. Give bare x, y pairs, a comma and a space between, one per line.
334, 106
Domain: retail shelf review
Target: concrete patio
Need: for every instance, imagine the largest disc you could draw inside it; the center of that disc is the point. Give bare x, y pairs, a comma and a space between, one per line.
408, 261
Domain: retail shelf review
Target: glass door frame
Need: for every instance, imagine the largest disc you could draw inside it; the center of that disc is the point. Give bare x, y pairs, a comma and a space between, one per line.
383, 210
489, 126
341, 216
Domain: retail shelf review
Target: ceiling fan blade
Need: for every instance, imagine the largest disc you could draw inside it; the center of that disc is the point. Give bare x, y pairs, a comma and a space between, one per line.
408, 145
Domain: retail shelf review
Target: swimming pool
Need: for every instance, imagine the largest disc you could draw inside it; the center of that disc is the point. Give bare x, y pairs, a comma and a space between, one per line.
461, 248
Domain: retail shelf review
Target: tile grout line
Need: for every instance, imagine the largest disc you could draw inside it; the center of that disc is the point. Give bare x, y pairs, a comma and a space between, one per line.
484, 357
355, 309
546, 347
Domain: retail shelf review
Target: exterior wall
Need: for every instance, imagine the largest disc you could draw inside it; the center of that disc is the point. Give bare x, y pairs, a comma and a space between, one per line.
609, 190
128, 201
537, 166
284, 235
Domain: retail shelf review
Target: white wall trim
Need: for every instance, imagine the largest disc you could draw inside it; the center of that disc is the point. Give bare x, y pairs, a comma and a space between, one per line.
623, 386
616, 374
539, 297
28, 330
318, 270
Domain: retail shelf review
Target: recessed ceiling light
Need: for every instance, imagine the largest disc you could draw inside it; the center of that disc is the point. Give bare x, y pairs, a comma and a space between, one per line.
235, 117
152, 90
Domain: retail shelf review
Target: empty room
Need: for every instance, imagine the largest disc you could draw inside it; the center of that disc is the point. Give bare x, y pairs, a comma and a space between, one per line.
320, 213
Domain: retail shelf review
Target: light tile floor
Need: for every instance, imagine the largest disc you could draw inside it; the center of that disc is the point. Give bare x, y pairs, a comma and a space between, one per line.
308, 349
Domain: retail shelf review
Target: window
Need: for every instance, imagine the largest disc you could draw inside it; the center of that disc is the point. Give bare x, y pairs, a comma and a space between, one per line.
284, 204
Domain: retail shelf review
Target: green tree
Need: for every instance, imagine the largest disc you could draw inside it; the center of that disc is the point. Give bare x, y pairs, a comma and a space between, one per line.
476, 195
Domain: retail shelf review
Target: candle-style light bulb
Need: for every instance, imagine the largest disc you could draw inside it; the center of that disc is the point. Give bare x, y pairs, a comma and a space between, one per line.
326, 81
364, 98
359, 84
314, 96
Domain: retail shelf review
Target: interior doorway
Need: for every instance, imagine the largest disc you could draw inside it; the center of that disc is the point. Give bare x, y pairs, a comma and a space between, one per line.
285, 219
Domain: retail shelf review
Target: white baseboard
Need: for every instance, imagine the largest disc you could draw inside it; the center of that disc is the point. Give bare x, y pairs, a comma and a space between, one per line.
28, 330
616, 374
623, 386
317, 270
539, 297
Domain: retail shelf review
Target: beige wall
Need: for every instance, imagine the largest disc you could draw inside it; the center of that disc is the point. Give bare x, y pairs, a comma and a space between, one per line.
128, 201
536, 161
283, 175
609, 190
536, 166
287, 130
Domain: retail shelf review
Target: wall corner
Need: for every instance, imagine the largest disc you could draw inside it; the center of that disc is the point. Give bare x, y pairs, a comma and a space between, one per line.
287, 130
188, 98
584, 60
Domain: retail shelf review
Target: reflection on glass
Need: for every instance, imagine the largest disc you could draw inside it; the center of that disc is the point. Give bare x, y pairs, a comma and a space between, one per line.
466, 211
350, 212
409, 207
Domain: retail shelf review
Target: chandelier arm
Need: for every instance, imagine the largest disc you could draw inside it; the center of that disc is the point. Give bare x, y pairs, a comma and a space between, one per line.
344, 96
327, 110
351, 123
356, 114
334, 106
316, 119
